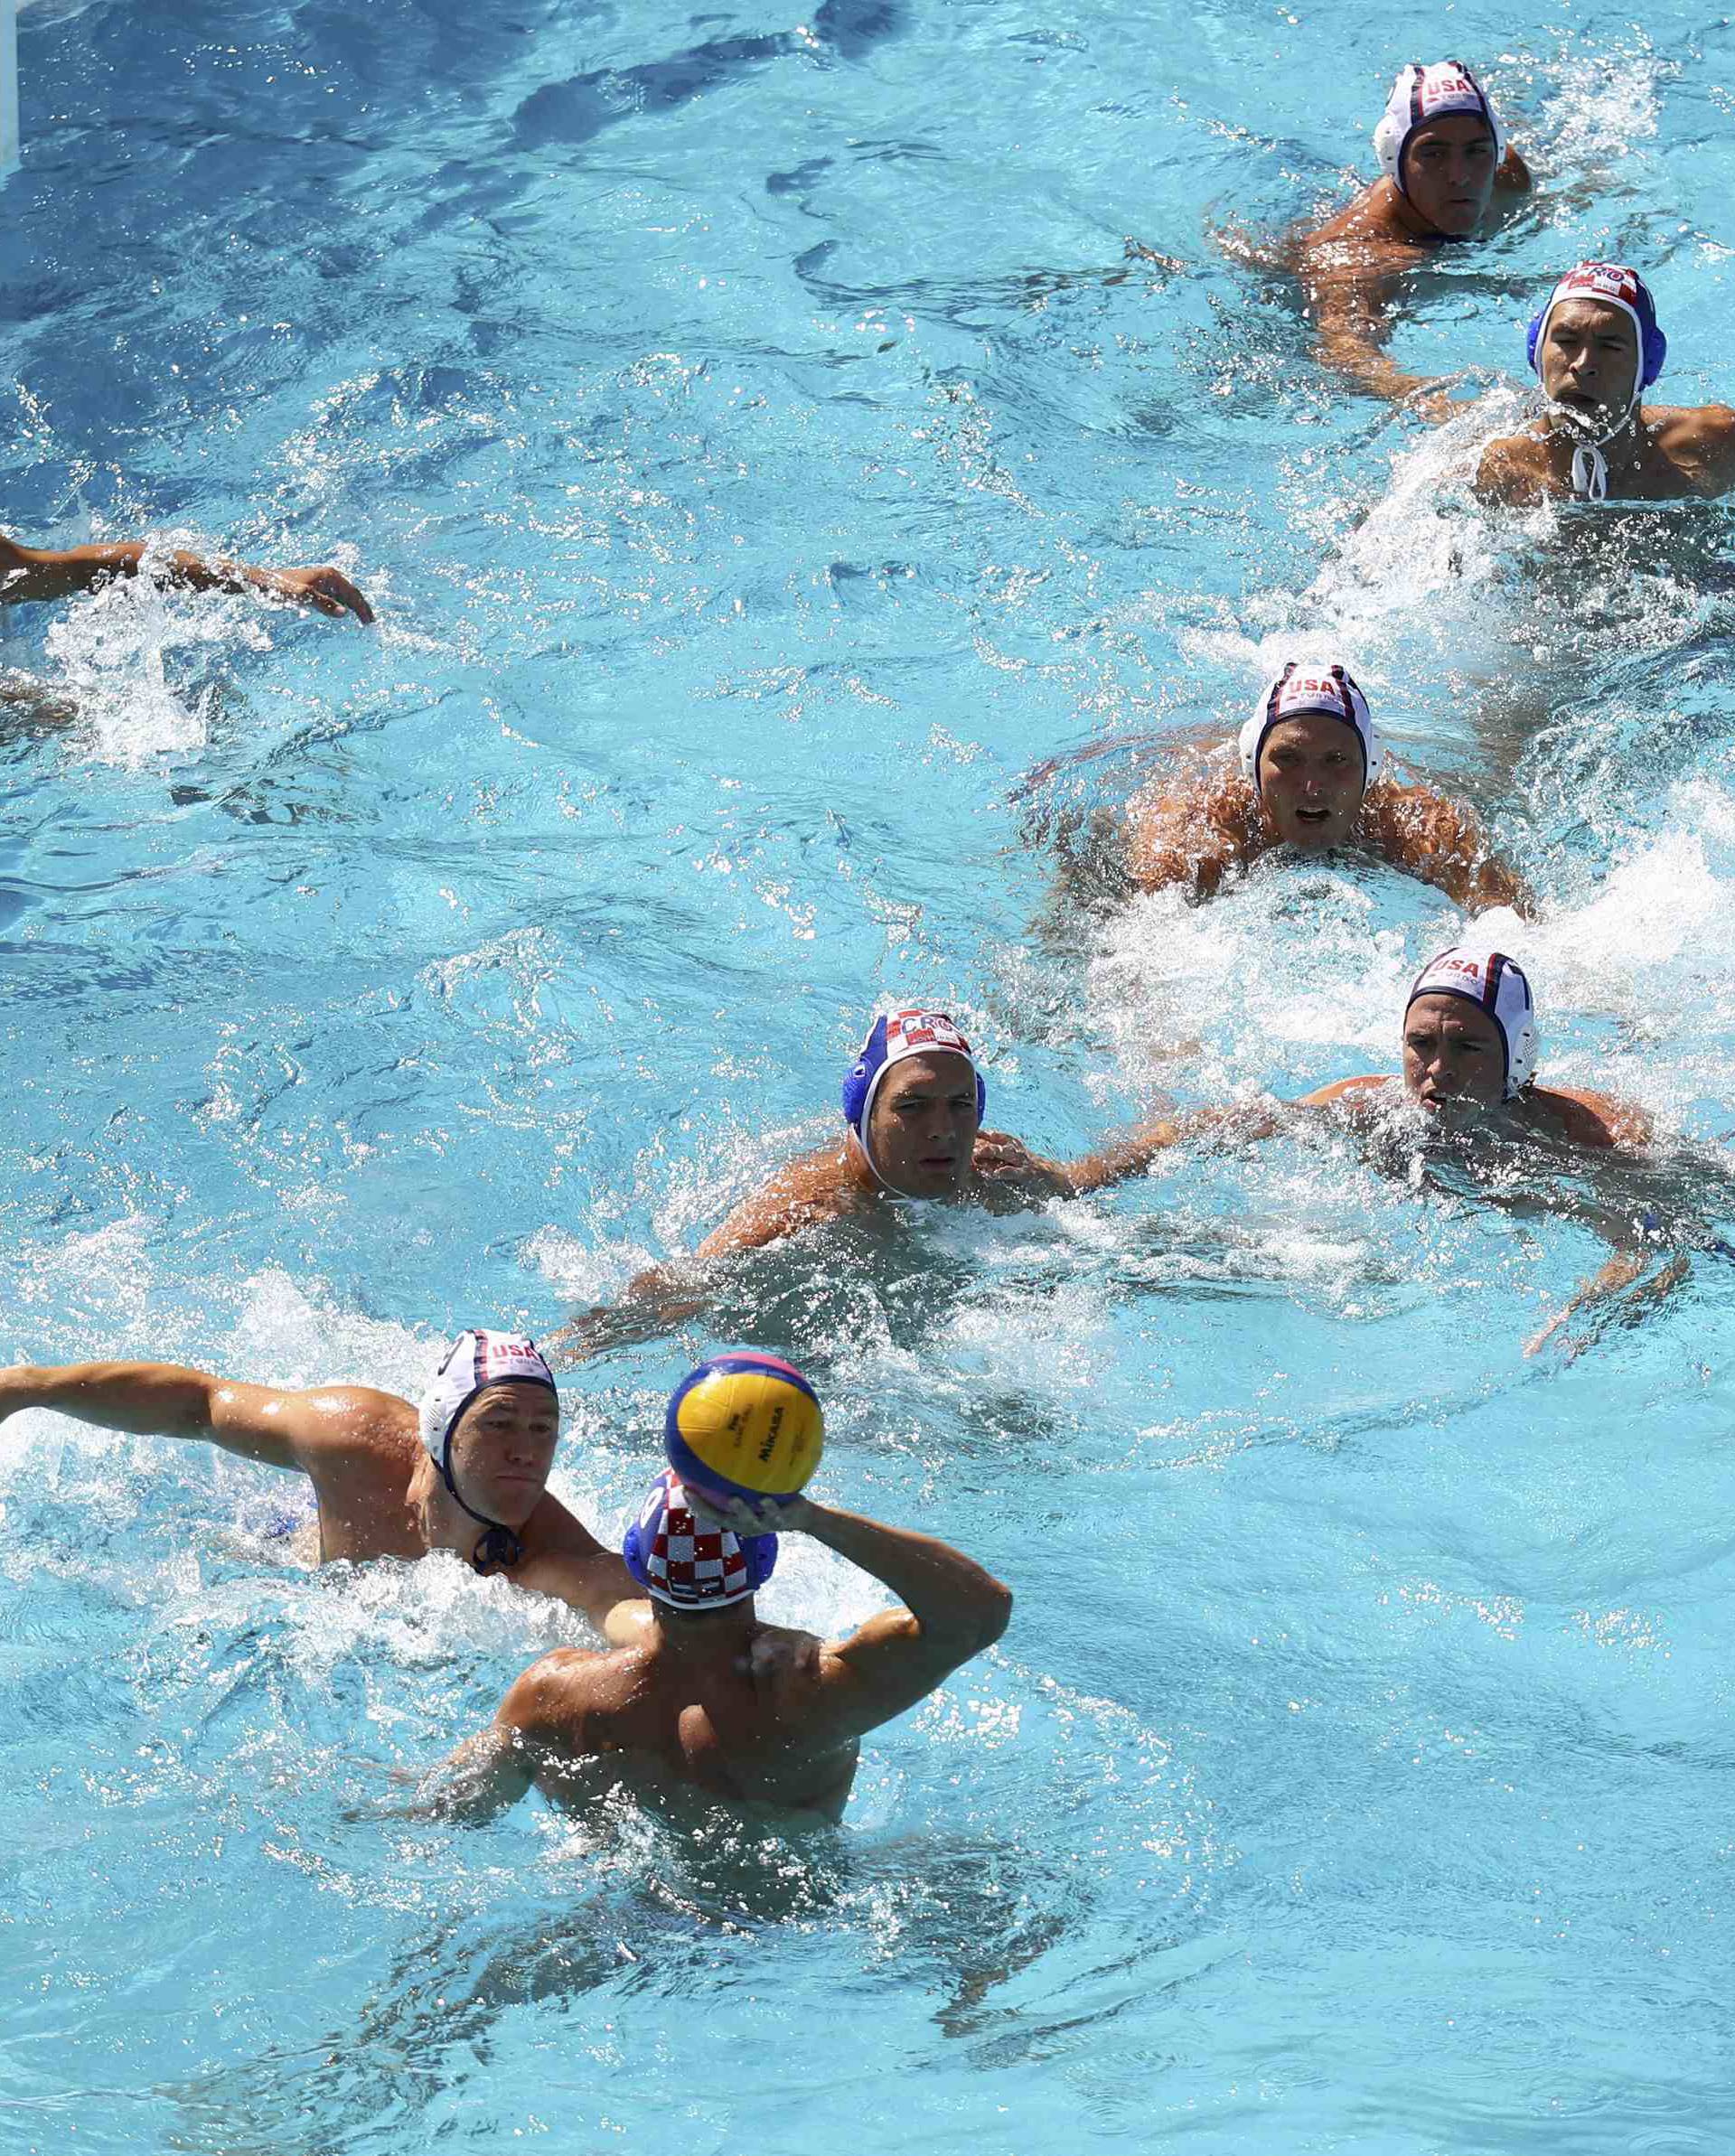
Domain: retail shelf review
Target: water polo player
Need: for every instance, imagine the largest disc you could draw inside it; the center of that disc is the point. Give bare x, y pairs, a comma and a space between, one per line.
1446, 171
1469, 1053
29, 573
1469, 1061
466, 1472
913, 1106
687, 1707
1313, 775
1596, 347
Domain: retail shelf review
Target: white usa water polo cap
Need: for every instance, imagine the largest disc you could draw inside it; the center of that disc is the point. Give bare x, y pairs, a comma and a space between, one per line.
1494, 984
1422, 94
474, 1361
1300, 689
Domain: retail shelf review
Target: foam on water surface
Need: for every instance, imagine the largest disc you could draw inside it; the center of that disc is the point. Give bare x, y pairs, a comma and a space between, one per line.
764, 448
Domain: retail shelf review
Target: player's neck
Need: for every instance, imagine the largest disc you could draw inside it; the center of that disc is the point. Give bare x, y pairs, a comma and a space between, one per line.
1408, 222
445, 1525
711, 1636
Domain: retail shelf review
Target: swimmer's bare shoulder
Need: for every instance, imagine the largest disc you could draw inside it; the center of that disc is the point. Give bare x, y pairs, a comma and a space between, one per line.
1698, 441
1590, 1119
1517, 472
1359, 244
809, 1192
1194, 830
1441, 840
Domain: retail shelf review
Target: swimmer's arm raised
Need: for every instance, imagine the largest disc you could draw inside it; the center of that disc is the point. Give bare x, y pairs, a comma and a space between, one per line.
165, 1400
35, 573
952, 1609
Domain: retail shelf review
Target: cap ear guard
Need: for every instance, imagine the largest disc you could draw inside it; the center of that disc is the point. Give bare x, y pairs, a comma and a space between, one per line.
861, 1077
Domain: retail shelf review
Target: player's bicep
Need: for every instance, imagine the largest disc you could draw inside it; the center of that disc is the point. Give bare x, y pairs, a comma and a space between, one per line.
883, 1670
291, 1429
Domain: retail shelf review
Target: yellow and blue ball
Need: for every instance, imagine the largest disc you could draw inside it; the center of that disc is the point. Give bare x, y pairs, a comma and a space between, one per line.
744, 1425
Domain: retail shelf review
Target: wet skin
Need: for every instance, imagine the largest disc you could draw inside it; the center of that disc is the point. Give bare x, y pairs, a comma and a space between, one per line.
502, 1450
1448, 168
1589, 360
1454, 1062
923, 1125
1311, 782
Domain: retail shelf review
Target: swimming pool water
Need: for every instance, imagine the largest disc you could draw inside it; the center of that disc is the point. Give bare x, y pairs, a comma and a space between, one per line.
763, 451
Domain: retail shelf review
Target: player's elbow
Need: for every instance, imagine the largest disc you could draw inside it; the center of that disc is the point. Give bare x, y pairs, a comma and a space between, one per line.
991, 1614
998, 1613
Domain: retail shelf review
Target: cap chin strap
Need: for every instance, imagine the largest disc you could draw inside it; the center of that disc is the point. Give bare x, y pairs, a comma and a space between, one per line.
1589, 466
497, 1550
867, 1152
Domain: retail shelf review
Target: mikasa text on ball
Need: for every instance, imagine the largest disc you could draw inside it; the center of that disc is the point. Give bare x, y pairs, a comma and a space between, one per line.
744, 1425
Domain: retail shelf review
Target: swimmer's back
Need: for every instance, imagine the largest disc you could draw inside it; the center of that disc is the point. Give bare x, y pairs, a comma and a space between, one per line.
714, 1731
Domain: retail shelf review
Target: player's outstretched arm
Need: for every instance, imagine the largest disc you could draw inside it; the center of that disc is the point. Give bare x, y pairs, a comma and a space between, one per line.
166, 1400
35, 573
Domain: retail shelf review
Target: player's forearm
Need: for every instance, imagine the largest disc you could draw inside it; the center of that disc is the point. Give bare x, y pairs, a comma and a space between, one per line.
480, 1779
1123, 1158
1133, 1154
1483, 880
949, 1594
1351, 350
38, 573
652, 1302
147, 1399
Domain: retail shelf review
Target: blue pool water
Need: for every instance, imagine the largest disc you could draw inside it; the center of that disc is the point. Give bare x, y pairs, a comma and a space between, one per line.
763, 451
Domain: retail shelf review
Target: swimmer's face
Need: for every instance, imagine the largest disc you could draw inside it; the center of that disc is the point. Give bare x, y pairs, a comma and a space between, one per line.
1589, 358
923, 1125
1448, 168
1453, 1061
502, 1449
1310, 781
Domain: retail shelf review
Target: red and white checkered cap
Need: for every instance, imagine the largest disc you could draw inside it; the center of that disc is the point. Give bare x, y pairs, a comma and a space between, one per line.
683, 1562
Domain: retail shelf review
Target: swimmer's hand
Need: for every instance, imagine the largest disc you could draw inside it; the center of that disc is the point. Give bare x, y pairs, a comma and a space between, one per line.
1007, 1160
784, 1666
327, 591
1619, 1307
764, 1515
1434, 402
